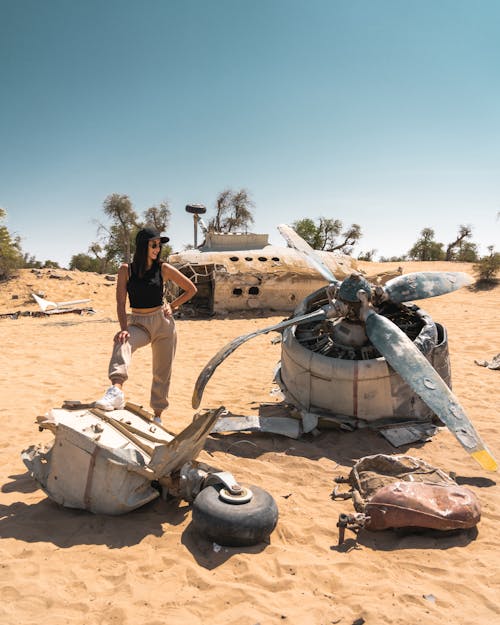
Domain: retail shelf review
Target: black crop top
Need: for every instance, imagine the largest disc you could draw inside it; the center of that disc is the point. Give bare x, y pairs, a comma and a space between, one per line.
145, 292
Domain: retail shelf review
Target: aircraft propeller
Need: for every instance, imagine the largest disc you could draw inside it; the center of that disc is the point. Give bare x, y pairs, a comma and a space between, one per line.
356, 299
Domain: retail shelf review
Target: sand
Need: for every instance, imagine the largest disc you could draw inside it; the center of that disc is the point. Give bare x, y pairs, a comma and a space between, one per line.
68, 566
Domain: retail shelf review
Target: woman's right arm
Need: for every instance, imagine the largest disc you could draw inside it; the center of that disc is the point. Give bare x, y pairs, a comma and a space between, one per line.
121, 303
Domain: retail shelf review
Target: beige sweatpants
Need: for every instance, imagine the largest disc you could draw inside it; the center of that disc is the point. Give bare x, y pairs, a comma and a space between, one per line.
147, 328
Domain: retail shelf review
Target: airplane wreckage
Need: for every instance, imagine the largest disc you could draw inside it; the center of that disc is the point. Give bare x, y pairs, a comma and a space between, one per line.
358, 354
241, 271
112, 463
353, 352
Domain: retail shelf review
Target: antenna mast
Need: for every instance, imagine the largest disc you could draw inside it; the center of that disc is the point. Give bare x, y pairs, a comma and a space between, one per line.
196, 210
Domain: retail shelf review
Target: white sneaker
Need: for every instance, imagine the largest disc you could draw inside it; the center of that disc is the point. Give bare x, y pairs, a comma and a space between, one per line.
113, 399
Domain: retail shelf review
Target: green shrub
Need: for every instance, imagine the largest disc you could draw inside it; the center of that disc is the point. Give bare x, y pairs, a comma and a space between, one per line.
488, 266
10, 251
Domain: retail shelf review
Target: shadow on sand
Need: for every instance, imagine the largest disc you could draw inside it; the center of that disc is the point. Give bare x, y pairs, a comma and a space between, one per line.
47, 521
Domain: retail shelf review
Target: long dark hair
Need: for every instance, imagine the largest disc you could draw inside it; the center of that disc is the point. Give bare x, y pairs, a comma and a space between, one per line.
140, 259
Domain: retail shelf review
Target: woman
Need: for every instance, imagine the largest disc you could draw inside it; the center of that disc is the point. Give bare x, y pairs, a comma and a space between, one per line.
151, 320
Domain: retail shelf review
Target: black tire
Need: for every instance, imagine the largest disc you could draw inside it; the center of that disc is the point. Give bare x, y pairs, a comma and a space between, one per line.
234, 524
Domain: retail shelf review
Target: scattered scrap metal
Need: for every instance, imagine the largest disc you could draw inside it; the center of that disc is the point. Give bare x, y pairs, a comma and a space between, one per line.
287, 420
494, 363
392, 492
40, 313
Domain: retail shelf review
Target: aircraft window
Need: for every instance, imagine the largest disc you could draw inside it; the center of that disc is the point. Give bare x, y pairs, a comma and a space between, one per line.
237, 292
276, 259
253, 290
234, 258
248, 258
262, 258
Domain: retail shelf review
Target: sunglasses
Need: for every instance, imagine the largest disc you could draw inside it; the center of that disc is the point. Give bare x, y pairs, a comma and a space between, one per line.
154, 244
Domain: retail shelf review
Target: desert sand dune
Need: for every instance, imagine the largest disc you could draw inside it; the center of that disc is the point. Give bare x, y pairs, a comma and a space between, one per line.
68, 566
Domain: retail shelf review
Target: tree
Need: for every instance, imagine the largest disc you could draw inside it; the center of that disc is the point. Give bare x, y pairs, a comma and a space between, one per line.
488, 266
51, 264
10, 250
467, 253
119, 209
30, 261
158, 216
464, 233
367, 255
233, 212
100, 259
307, 229
84, 262
324, 235
117, 240
98, 262
393, 259
426, 248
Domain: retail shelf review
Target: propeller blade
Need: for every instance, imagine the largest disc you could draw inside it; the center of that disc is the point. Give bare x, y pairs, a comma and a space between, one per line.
228, 349
415, 286
311, 256
418, 373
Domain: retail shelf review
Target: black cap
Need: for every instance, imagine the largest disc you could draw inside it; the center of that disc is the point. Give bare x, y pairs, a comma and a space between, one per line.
146, 234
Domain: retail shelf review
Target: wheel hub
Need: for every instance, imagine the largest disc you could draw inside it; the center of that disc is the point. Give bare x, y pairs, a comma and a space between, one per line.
244, 496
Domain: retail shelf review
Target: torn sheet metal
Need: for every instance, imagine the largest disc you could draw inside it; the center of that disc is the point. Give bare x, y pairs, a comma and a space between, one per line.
106, 462
46, 305
406, 434
494, 363
287, 421
253, 423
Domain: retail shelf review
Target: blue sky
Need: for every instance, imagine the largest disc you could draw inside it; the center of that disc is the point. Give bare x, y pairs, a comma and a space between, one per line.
384, 113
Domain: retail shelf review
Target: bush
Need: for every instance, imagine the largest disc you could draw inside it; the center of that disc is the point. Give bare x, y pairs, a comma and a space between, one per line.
10, 252
84, 262
488, 266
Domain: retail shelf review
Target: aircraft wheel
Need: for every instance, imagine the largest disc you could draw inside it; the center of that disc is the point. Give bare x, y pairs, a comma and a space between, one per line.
232, 521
